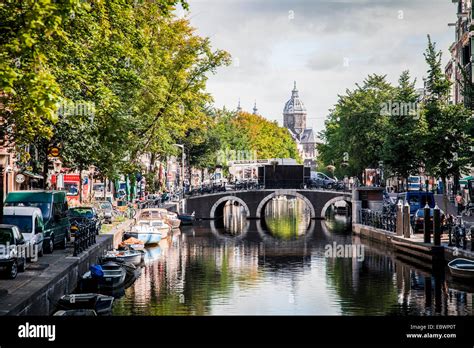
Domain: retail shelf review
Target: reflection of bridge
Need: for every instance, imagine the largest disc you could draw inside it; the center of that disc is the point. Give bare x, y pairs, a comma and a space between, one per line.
211, 206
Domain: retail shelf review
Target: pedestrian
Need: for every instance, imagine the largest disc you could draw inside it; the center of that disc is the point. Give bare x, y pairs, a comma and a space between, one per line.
459, 202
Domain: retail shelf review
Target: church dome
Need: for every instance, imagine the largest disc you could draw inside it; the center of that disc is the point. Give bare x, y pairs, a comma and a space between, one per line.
294, 105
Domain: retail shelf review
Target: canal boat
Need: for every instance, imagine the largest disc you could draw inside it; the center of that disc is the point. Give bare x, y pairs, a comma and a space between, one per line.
76, 313
108, 276
132, 244
101, 304
462, 268
168, 217
187, 219
149, 231
131, 256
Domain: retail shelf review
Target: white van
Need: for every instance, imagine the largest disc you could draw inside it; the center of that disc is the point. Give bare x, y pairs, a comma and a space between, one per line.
29, 221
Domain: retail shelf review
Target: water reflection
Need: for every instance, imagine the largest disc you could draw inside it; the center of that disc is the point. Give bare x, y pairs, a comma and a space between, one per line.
234, 218
196, 272
286, 217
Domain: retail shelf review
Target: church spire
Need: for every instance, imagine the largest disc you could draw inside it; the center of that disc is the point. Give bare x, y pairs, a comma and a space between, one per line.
255, 110
294, 92
239, 108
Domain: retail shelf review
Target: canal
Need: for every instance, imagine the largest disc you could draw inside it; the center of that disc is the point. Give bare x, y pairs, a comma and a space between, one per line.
285, 264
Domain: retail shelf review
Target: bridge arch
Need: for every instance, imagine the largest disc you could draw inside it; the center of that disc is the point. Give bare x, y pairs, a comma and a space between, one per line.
332, 201
293, 193
221, 237
225, 199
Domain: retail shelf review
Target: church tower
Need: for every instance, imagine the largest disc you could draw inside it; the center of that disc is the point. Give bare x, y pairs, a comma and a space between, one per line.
294, 113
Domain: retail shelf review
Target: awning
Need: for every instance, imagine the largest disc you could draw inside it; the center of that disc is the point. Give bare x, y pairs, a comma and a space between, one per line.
463, 181
32, 175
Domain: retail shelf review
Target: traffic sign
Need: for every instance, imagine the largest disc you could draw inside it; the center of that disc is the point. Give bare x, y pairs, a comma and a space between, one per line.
54, 152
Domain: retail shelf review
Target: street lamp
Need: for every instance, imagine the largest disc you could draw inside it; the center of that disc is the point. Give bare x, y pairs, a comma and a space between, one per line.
182, 167
3, 164
381, 174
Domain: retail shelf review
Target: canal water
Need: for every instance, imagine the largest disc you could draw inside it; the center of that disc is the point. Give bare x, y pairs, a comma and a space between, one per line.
285, 264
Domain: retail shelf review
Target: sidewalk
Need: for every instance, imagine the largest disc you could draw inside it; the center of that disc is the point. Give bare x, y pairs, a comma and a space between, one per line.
37, 290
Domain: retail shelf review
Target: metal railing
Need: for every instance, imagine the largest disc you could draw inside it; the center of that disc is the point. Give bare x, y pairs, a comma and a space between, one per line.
385, 221
84, 237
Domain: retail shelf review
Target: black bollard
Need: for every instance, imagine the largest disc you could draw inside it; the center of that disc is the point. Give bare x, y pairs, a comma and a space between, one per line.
427, 224
437, 226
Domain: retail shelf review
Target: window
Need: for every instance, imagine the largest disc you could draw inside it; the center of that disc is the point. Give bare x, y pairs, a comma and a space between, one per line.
24, 223
6, 236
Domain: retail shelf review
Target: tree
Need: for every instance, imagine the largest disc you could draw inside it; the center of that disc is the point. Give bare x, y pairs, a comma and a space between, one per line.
446, 144
355, 129
402, 154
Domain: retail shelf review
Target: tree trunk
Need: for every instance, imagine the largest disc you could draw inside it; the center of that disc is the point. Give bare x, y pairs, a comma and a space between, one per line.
45, 166
105, 187
80, 185
456, 187
445, 196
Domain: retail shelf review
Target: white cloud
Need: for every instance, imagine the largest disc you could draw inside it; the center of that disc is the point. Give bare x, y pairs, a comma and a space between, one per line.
326, 46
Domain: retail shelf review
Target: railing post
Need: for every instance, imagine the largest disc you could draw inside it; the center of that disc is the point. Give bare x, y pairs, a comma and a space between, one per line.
437, 226
406, 220
427, 224
399, 228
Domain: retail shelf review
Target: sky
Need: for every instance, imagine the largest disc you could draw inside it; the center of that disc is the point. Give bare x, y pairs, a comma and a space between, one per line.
326, 46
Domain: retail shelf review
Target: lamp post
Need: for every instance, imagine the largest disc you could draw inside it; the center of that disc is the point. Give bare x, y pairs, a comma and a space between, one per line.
182, 167
3, 164
381, 174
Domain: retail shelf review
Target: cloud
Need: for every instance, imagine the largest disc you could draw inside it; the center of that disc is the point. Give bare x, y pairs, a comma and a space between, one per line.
325, 45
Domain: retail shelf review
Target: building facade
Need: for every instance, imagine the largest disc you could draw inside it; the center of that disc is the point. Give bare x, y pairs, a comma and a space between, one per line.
459, 68
294, 119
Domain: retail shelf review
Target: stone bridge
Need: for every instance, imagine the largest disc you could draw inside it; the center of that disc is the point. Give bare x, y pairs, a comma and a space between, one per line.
211, 206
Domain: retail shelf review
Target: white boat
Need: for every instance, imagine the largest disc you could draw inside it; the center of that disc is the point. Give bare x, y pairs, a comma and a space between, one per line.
171, 218
462, 268
168, 217
149, 231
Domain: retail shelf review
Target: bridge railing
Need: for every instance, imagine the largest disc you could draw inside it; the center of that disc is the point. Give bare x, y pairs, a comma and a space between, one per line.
384, 220
209, 189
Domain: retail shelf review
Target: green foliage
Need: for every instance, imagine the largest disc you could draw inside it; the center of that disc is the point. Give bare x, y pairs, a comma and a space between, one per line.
402, 150
447, 141
437, 136
357, 127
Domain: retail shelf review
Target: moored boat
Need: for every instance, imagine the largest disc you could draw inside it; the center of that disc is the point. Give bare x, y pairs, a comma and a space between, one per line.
76, 313
462, 268
108, 276
168, 217
187, 219
101, 304
149, 231
131, 256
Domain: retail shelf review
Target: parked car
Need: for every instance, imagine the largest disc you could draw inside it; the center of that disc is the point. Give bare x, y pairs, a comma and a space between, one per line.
53, 206
418, 220
322, 180
30, 223
106, 209
417, 200
83, 215
12, 259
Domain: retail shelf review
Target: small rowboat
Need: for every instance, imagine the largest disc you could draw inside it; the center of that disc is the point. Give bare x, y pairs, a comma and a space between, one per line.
101, 304
462, 268
132, 256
